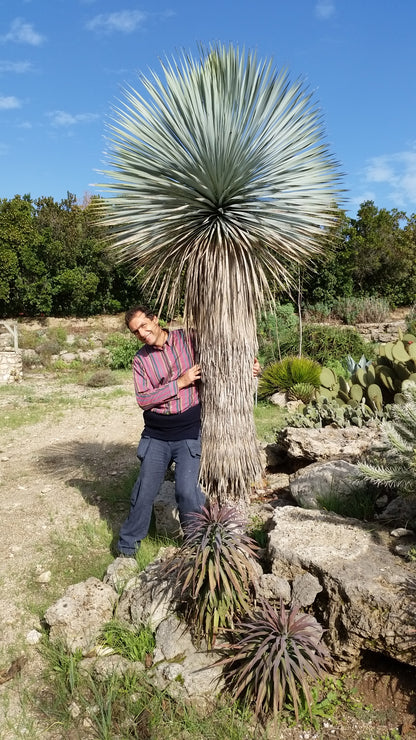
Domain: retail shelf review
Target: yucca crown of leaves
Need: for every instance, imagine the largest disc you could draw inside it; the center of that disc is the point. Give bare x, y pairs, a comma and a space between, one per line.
289, 372
221, 160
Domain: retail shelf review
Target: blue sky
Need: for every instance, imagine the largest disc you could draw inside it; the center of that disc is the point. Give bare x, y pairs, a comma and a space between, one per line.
64, 64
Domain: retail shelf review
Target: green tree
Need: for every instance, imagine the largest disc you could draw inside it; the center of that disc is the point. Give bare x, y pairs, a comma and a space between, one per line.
332, 274
383, 254
222, 181
24, 285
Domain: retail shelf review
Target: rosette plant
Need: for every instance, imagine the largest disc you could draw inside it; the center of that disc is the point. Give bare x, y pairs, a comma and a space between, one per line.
219, 181
275, 655
214, 570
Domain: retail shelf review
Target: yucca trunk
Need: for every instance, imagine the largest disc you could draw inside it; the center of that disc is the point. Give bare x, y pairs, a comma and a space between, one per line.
225, 322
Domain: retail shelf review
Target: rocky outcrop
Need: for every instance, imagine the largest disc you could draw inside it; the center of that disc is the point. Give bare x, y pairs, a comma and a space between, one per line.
328, 443
367, 597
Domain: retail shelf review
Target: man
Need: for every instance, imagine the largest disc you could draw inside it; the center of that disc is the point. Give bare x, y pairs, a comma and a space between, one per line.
166, 384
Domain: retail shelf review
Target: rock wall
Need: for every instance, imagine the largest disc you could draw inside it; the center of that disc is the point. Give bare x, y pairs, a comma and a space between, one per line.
11, 365
386, 332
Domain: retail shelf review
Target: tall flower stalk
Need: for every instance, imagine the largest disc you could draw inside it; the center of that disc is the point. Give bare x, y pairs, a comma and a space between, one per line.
220, 180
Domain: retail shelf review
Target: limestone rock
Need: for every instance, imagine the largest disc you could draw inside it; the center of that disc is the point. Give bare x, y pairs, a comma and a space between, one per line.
187, 673
150, 598
166, 511
279, 399
335, 477
121, 573
102, 668
366, 601
399, 511
273, 588
305, 589
329, 443
77, 618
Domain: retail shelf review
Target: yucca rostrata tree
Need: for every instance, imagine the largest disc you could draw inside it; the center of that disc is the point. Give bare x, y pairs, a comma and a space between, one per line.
220, 180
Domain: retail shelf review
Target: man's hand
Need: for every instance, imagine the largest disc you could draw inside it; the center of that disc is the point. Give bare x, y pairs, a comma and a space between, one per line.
189, 377
256, 368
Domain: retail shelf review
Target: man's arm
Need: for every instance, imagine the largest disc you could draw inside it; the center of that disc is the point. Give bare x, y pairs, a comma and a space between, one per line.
148, 397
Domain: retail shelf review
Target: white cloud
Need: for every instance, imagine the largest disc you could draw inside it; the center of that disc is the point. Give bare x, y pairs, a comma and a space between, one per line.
62, 118
18, 67
324, 9
23, 33
9, 102
125, 21
398, 172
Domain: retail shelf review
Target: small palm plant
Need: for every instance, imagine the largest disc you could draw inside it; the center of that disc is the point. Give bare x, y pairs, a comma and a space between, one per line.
297, 375
214, 570
221, 180
400, 448
274, 656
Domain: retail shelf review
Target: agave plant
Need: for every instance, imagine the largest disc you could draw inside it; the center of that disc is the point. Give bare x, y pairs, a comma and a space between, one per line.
274, 657
220, 180
214, 570
399, 447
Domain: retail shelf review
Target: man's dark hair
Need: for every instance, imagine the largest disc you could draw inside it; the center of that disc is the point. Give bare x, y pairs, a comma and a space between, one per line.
138, 309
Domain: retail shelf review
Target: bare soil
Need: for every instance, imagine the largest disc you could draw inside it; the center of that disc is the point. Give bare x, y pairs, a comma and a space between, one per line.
48, 474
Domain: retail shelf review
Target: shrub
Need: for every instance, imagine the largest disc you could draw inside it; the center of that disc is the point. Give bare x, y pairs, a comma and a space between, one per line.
327, 343
274, 327
329, 412
100, 379
47, 349
411, 320
359, 502
28, 339
289, 373
273, 656
57, 334
317, 313
122, 350
365, 310
214, 570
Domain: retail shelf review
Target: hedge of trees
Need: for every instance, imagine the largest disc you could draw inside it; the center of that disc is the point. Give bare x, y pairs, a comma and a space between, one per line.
55, 261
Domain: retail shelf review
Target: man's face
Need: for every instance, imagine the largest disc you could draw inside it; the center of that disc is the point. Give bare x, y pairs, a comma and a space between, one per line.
147, 329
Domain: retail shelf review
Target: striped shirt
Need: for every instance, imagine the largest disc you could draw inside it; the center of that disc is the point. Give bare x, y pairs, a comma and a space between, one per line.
156, 371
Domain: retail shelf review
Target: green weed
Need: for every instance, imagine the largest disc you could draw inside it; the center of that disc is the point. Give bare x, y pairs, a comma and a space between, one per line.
358, 503
126, 642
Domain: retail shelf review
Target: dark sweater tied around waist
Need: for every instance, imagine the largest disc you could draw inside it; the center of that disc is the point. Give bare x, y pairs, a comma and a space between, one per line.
171, 427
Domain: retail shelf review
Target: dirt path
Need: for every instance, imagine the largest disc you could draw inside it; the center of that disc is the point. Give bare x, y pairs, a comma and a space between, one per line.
47, 476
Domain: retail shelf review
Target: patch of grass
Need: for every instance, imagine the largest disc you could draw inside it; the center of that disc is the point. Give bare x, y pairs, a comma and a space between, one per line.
85, 551
329, 697
358, 503
268, 419
25, 405
30, 409
21, 724
256, 530
126, 642
129, 707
